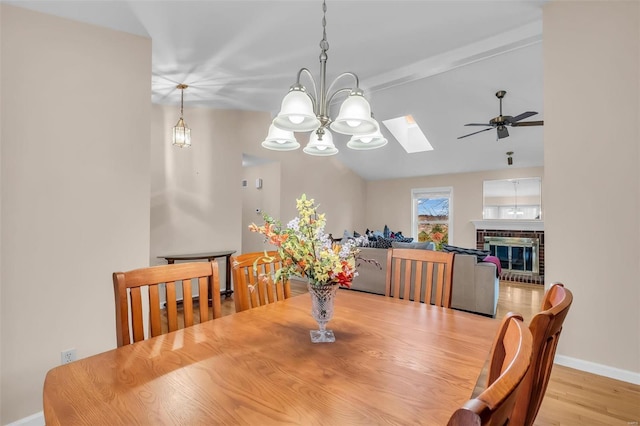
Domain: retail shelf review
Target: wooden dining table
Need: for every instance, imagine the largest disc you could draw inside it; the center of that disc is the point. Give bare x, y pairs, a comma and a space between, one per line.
393, 362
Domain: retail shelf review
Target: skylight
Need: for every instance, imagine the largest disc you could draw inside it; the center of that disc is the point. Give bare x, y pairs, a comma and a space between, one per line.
408, 133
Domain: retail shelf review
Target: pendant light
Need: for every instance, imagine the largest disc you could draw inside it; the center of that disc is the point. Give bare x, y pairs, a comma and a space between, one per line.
181, 133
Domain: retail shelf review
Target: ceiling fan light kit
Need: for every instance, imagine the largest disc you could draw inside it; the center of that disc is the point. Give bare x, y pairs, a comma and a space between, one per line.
181, 132
302, 111
501, 122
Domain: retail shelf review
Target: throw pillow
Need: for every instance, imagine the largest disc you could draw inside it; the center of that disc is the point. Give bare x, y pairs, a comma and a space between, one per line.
479, 254
384, 243
404, 239
362, 241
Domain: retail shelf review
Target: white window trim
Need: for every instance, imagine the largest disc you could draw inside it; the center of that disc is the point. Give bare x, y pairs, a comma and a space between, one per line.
415, 192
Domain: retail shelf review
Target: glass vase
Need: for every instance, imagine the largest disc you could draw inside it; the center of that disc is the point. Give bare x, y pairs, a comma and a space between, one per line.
322, 300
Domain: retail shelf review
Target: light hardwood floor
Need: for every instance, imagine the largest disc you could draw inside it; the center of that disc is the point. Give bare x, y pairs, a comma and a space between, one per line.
573, 397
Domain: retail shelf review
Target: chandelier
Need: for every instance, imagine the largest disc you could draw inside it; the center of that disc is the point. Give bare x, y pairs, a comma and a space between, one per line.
302, 111
181, 133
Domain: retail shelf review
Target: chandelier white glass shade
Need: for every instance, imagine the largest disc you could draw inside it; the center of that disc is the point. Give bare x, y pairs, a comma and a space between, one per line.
354, 117
296, 113
181, 133
370, 141
304, 111
280, 140
321, 144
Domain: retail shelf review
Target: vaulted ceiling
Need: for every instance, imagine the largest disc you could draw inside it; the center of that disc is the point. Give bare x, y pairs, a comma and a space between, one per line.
440, 61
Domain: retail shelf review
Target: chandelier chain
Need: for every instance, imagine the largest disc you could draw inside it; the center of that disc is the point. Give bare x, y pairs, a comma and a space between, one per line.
324, 44
181, 87
181, 102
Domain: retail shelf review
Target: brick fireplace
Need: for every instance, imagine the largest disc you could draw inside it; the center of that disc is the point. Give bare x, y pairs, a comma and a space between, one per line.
526, 246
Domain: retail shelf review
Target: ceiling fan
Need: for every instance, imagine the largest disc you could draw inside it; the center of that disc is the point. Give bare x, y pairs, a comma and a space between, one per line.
501, 122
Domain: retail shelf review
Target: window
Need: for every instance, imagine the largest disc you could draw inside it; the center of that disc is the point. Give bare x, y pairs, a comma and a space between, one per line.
432, 215
512, 199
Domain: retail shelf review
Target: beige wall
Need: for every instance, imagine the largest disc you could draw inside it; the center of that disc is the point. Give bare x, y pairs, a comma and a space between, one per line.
592, 183
196, 202
265, 199
75, 191
388, 202
338, 191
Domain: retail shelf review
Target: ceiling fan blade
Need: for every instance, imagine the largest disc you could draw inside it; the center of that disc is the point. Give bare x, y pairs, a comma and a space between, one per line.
502, 132
528, 123
523, 116
474, 133
479, 124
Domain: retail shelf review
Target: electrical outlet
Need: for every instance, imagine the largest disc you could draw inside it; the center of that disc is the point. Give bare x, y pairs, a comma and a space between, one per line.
67, 356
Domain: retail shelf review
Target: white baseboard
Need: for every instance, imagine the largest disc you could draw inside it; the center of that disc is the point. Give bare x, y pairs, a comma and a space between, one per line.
599, 369
36, 419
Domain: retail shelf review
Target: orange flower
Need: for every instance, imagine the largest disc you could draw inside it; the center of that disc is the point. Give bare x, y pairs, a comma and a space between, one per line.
437, 236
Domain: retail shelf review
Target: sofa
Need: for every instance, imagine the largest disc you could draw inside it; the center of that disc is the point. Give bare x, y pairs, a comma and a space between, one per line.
475, 286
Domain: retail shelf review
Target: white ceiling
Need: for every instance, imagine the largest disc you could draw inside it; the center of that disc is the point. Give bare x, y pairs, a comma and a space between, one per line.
441, 61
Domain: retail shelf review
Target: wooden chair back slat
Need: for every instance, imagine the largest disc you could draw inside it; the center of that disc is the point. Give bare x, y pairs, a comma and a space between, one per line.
420, 270
429, 282
188, 303
396, 274
407, 278
162, 281
279, 292
203, 291
253, 280
261, 290
253, 294
545, 327
136, 314
155, 314
172, 306
285, 289
269, 289
510, 360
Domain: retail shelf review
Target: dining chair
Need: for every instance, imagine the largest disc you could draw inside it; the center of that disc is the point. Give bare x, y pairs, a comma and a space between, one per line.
254, 280
420, 275
510, 360
161, 282
545, 327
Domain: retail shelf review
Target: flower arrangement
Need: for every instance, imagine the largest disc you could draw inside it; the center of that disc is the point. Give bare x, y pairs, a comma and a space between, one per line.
305, 249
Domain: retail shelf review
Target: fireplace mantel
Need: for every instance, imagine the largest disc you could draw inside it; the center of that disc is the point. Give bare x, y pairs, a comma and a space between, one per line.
509, 225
